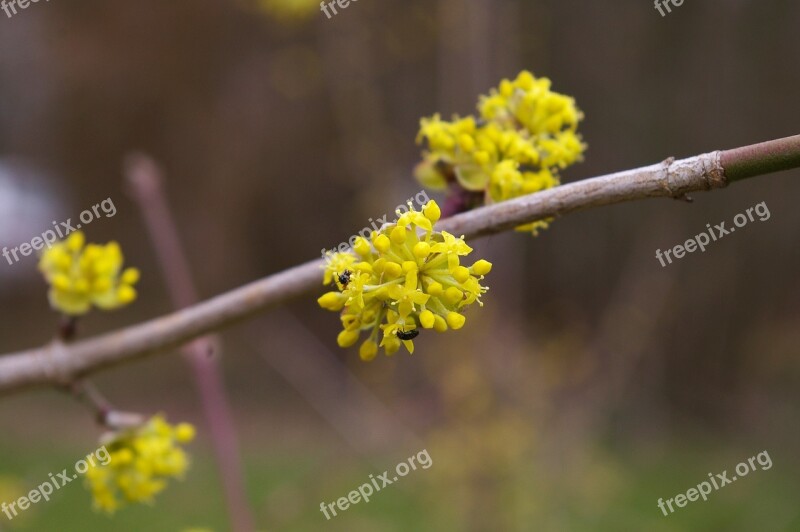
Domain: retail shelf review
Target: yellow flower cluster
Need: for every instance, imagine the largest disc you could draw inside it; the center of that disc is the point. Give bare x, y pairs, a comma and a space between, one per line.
81, 276
289, 10
141, 462
407, 275
525, 134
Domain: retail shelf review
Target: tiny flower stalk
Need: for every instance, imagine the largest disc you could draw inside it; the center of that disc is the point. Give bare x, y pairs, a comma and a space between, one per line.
141, 462
406, 277
524, 136
81, 276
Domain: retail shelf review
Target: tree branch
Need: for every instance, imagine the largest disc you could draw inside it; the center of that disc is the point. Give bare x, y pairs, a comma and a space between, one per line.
58, 363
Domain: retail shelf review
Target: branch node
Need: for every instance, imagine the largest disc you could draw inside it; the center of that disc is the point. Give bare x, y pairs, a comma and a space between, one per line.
56, 364
713, 170
685, 175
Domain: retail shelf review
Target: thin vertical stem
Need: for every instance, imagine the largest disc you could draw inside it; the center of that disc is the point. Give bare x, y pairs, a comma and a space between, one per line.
145, 181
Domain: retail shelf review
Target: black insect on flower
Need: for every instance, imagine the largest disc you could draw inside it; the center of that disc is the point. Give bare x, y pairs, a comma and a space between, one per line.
344, 278
408, 335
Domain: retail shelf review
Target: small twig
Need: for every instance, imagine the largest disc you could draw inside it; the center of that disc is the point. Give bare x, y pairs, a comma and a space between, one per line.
67, 328
47, 365
88, 394
105, 413
318, 375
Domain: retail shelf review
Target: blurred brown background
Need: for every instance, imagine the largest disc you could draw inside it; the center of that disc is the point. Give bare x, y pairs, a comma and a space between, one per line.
593, 381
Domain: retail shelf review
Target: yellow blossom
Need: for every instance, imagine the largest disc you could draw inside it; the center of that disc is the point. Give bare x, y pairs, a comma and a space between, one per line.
83, 275
410, 276
140, 463
525, 135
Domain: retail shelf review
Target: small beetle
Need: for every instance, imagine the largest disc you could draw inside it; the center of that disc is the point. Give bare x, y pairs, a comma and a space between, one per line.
408, 335
344, 278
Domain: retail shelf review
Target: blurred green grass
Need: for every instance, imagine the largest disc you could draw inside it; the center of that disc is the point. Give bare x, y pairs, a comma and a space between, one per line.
612, 493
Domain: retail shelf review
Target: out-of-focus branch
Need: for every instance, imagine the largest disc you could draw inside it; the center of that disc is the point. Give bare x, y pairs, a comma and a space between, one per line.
145, 181
57, 363
326, 383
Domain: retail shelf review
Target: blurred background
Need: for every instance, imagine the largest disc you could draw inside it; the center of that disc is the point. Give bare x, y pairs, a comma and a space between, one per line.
592, 383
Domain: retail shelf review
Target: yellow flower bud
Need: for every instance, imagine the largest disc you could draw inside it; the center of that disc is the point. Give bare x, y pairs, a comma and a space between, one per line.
184, 432
362, 247
331, 301
75, 241
126, 294
382, 243
427, 319
347, 338
364, 267
506, 88
422, 250
455, 320
393, 270
391, 345
61, 281
410, 266
432, 211
453, 295
439, 324
435, 289
398, 235
461, 274
481, 157
130, 276
526, 81
466, 142
368, 350
95, 251
482, 267
122, 457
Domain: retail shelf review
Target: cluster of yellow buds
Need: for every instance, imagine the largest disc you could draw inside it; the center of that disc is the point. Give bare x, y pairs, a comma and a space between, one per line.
406, 276
82, 275
526, 133
141, 461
